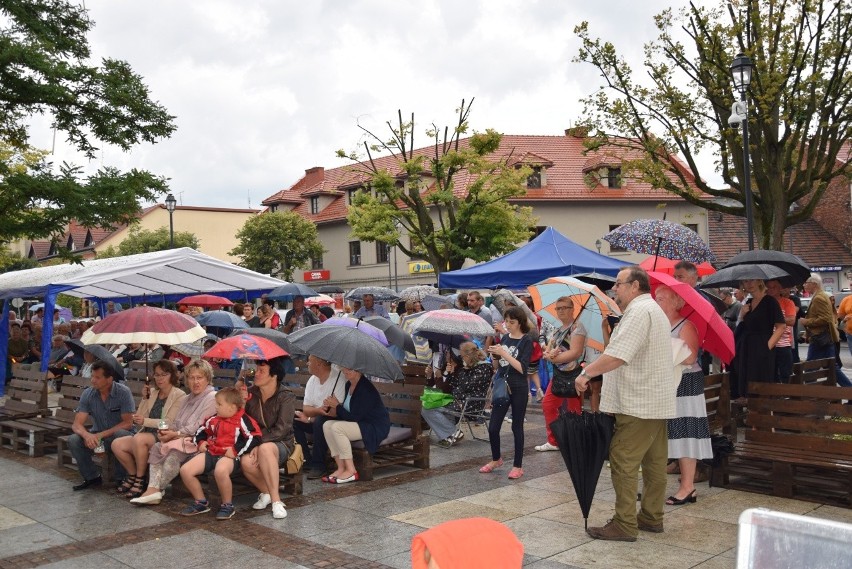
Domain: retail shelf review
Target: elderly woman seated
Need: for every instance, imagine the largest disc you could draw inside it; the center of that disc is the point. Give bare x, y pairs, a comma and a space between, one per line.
466, 381
361, 416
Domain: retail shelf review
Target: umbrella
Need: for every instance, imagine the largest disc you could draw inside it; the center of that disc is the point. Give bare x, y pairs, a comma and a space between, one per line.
436, 302
713, 332
584, 444
245, 347
603, 282
221, 319
349, 348
76, 346
379, 293
395, 335
422, 354
319, 300
290, 291
144, 325
330, 289
417, 292
105, 356
591, 305
280, 339
206, 300
731, 276
664, 265
362, 326
451, 326
502, 297
190, 349
798, 270
661, 238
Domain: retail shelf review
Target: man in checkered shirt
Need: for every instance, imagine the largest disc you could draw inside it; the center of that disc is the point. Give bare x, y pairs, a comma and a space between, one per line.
639, 389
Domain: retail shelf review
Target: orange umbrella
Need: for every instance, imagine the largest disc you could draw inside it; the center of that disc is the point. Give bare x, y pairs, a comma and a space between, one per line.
667, 266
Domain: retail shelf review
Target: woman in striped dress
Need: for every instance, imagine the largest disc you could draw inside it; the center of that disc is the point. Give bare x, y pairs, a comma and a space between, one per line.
689, 431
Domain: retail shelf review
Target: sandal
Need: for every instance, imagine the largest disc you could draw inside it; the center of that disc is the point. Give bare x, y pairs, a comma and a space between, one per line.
690, 498
126, 485
491, 466
137, 489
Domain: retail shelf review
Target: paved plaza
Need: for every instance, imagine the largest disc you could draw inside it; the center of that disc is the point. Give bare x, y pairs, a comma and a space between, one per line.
366, 524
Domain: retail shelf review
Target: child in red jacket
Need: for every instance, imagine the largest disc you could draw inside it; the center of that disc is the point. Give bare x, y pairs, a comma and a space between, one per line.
222, 439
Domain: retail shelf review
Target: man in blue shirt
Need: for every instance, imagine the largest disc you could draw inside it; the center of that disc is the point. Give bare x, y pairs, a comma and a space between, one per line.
110, 405
369, 308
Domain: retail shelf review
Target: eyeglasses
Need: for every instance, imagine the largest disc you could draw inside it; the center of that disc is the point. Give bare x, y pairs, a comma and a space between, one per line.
162, 375
618, 284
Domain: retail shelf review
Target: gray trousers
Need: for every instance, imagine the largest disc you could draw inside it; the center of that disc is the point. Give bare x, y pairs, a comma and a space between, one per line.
442, 421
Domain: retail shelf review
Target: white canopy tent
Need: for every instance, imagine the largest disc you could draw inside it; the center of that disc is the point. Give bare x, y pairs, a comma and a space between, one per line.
159, 277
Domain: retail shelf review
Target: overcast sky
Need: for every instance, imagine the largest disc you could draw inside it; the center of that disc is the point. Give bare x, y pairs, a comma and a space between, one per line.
263, 90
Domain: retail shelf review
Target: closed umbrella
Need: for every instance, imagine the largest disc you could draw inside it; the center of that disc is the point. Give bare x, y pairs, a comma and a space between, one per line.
290, 291
396, 336
245, 347
379, 293
205, 300
591, 305
661, 238
732, 276
360, 325
584, 444
714, 335
221, 319
798, 270
349, 348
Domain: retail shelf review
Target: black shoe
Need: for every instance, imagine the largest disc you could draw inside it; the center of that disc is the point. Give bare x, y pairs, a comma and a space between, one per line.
88, 483
315, 473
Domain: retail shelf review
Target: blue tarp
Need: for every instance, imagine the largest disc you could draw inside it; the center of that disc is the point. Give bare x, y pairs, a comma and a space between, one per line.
551, 254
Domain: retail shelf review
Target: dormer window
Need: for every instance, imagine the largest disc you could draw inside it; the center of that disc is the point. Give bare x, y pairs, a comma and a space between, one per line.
314, 205
53, 250
70, 244
89, 240
534, 179
613, 177
273, 208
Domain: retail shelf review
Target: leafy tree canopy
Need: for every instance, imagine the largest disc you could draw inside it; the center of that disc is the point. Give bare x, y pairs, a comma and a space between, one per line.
45, 69
800, 101
147, 241
14, 261
277, 243
450, 197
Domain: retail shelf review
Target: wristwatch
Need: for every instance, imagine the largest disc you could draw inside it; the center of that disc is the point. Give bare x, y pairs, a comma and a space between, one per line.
582, 373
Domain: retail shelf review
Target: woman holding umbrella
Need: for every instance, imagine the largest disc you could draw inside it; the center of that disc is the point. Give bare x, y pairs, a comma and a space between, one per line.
761, 326
361, 416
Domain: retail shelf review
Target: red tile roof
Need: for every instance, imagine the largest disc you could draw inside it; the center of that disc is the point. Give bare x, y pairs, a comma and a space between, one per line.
809, 240
564, 156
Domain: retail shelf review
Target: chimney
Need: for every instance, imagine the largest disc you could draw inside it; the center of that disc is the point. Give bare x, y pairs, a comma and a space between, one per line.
579, 131
314, 175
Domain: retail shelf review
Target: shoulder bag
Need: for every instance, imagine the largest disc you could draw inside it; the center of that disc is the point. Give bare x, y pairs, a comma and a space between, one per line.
562, 383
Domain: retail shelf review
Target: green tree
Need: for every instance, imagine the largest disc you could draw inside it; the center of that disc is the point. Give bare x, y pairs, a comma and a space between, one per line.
276, 243
45, 69
800, 98
147, 240
14, 261
450, 197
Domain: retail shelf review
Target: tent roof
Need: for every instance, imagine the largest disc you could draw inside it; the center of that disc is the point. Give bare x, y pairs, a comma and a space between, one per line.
158, 276
551, 254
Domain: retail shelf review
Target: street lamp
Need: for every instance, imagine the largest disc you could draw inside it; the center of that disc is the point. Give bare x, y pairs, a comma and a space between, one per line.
741, 70
598, 245
171, 204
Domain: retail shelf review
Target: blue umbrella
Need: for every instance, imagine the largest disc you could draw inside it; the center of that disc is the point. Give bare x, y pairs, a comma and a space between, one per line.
221, 319
290, 291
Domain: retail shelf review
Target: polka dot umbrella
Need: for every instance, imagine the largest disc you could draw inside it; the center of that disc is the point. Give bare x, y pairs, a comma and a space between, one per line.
661, 238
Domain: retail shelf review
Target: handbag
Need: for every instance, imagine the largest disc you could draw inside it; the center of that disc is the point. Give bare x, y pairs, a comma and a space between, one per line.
295, 460
181, 444
562, 383
500, 388
822, 340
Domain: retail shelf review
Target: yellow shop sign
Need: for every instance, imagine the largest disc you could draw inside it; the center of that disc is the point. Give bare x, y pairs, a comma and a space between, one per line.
418, 267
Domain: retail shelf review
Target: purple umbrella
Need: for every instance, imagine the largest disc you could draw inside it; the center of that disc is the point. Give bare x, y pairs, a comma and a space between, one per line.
362, 326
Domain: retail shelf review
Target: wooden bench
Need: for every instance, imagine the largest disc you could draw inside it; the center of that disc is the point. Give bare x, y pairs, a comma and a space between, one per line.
717, 401
799, 444
26, 393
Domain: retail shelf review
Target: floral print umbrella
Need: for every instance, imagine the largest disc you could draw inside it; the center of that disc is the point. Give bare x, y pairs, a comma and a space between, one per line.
662, 238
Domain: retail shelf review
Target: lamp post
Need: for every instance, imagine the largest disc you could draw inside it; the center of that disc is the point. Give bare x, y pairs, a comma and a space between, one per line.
741, 70
598, 245
171, 204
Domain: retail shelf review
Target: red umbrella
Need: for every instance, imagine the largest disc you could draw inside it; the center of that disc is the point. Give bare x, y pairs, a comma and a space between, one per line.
144, 325
663, 265
206, 300
715, 335
245, 347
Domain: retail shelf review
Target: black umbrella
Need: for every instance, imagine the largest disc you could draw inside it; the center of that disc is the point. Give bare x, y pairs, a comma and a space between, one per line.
331, 289
732, 276
798, 270
603, 282
106, 356
395, 335
584, 443
76, 346
347, 347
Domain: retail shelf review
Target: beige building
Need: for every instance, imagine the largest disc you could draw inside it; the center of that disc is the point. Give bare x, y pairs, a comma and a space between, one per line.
216, 228
583, 196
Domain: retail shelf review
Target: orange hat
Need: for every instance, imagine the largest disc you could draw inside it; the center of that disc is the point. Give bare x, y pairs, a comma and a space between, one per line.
470, 543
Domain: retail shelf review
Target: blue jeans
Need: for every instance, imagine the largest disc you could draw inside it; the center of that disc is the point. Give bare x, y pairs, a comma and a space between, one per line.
821, 352
441, 420
318, 448
83, 455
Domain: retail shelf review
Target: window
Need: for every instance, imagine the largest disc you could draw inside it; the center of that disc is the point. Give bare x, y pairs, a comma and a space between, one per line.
273, 208
613, 248
89, 240
534, 179
350, 195
314, 205
354, 253
692, 226
613, 177
382, 252
537, 230
316, 263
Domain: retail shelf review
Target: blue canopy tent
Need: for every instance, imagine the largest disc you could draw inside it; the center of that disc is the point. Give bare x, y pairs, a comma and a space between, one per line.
551, 254
159, 277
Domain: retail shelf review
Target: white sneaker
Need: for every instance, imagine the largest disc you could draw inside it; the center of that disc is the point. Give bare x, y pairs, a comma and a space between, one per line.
278, 511
546, 447
262, 501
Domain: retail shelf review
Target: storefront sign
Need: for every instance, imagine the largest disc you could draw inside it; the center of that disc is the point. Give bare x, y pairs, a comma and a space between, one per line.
317, 275
419, 267
826, 269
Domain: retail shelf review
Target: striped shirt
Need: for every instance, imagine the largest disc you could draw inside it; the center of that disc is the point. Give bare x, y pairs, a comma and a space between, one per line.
789, 309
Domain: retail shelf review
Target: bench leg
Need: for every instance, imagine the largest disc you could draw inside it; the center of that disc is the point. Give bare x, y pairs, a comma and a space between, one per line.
421, 447
782, 479
363, 464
